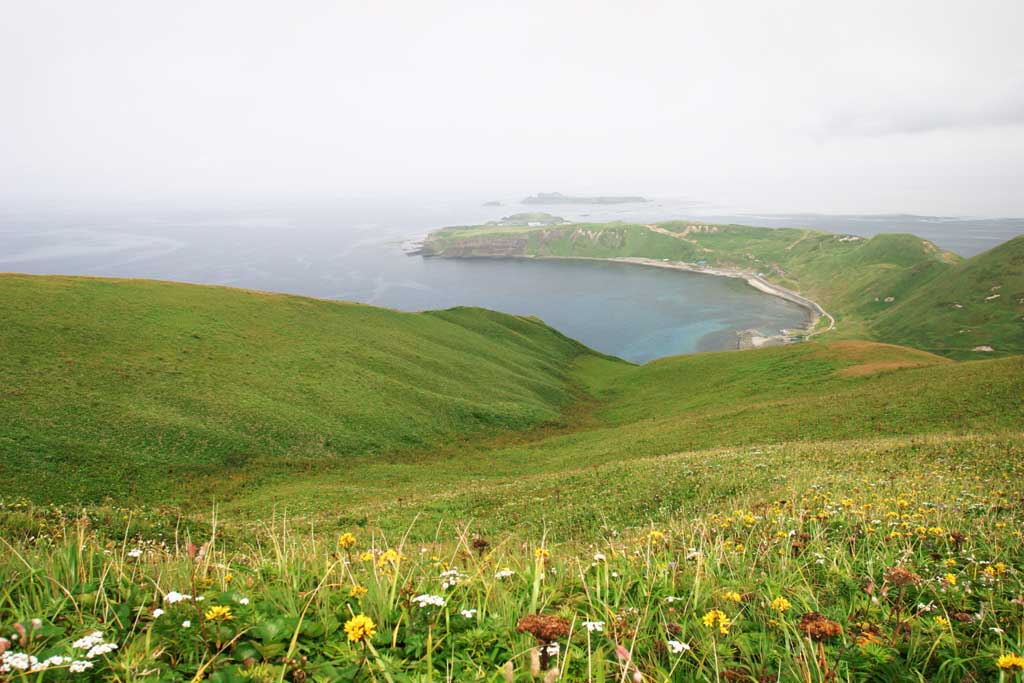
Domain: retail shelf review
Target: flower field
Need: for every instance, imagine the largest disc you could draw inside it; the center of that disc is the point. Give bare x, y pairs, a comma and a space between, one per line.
876, 573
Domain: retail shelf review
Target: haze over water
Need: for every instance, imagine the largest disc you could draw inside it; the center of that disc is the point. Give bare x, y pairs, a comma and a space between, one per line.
353, 250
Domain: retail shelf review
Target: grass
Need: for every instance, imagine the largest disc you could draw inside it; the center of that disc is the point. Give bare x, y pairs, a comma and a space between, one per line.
134, 384
908, 549
840, 511
892, 288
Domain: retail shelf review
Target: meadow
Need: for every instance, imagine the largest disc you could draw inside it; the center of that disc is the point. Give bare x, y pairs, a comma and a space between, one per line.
209, 484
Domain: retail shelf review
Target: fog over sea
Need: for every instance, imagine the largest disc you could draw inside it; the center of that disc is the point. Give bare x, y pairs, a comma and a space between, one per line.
354, 250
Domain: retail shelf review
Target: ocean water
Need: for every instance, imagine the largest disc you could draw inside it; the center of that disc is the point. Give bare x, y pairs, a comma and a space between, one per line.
355, 250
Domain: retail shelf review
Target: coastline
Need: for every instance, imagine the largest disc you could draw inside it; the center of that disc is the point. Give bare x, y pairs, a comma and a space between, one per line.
746, 338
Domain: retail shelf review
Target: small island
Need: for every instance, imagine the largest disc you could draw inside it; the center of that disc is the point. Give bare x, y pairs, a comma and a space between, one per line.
559, 198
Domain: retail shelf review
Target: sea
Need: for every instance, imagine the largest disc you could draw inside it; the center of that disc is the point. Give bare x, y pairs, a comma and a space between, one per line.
358, 250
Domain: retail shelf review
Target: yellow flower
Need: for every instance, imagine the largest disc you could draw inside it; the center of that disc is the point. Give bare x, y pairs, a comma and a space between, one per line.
941, 621
366, 556
229, 577
357, 591
346, 541
781, 605
219, 613
732, 596
950, 579
654, 536
716, 617
389, 556
541, 553
1010, 661
360, 627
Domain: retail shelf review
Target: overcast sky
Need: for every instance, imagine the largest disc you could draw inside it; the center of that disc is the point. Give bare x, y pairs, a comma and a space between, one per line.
866, 106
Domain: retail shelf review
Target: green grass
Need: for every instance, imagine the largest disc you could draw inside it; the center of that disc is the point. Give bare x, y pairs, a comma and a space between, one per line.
133, 390
224, 440
146, 393
910, 548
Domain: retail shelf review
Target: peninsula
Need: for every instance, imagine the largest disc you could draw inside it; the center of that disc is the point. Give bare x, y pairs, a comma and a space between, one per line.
895, 288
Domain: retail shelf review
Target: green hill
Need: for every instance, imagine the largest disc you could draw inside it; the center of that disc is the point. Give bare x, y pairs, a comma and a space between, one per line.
127, 388
892, 288
160, 393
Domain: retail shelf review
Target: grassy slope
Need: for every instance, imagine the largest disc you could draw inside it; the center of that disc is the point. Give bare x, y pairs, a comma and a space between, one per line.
154, 392
852, 279
134, 385
614, 465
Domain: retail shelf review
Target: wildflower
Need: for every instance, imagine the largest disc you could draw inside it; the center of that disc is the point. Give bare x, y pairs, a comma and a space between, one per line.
468, 613
135, 553
89, 641
544, 628
427, 600
655, 536
346, 541
389, 557
451, 578
366, 556
219, 613
818, 627
553, 649
950, 579
781, 605
541, 553
186, 624
357, 591
504, 574
360, 627
594, 626
676, 647
716, 617
941, 621
100, 649
243, 601
600, 557
732, 596
79, 666
157, 613
901, 576
175, 597
1010, 661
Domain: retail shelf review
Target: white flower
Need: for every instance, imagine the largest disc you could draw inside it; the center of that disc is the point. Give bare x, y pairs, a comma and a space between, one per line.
135, 552
676, 647
451, 578
157, 613
243, 601
186, 624
175, 596
427, 600
599, 557
17, 660
593, 626
504, 574
670, 599
553, 650
79, 666
89, 641
615, 575
468, 613
101, 649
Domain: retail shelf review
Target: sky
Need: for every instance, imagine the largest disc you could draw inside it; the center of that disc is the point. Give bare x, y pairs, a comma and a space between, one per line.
873, 106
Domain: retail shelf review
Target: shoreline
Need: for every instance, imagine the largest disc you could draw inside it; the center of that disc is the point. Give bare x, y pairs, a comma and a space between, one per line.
746, 338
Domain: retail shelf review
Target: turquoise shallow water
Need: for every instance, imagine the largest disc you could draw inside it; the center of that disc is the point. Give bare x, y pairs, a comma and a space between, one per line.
354, 251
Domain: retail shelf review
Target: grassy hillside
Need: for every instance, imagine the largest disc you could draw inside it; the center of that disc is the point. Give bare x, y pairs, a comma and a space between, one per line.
130, 389
892, 288
148, 392
471, 489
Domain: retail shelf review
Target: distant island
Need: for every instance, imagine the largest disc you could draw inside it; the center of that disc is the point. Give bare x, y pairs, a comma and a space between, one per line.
491, 203
559, 198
